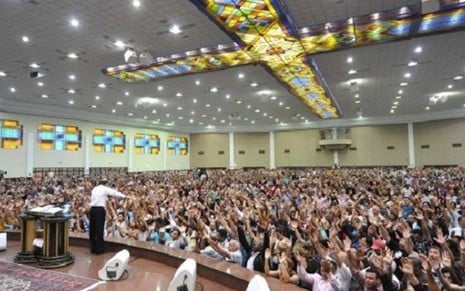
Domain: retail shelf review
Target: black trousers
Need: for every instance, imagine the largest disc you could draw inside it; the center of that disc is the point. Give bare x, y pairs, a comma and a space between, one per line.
96, 229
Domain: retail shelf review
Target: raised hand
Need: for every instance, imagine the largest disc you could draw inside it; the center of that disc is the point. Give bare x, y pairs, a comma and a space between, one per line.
407, 266
446, 259
425, 262
440, 239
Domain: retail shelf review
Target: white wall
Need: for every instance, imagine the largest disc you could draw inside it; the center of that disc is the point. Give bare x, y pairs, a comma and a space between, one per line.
14, 161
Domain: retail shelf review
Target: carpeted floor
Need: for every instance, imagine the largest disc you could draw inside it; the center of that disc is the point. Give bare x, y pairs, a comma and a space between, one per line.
17, 277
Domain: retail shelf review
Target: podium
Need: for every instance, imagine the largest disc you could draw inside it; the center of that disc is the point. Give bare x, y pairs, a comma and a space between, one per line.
55, 236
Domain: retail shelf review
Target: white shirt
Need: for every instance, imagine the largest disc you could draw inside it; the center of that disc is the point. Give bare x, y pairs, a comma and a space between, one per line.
317, 282
100, 194
344, 275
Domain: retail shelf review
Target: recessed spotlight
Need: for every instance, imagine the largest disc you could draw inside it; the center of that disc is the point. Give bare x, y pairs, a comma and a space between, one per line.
73, 56
403, 84
214, 89
257, 110
94, 106
357, 96
71, 91
394, 106
281, 103
273, 97
400, 91
119, 103
113, 110
71, 102
72, 77
130, 114
192, 112
2, 74
450, 86
207, 105
287, 107
197, 82
175, 29
97, 97
74, 22
154, 111
34, 65
352, 71
228, 96
102, 85
25, 38
179, 108
396, 103
350, 60
252, 121
223, 121
194, 100
219, 109
240, 75
418, 49
392, 111
249, 106
412, 64
357, 101
180, 117
253, 84
398, 97
459, 77
40, 84
119, 43
167, 115
203, 116
164, 104
126, 93
136, 3
145, 117
427, 108
179, 94
44, 96
238, 102
264, 114
407, 75
160, 88
191, 120
213, 118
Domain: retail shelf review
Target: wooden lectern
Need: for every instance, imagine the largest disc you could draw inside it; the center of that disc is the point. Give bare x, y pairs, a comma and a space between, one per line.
54, 232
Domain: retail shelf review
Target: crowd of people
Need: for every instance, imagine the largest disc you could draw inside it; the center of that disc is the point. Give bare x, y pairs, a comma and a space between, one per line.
322, 229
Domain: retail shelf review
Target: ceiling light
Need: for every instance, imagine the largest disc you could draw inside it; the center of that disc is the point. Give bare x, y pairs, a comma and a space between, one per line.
192, 112
219, 109
40, 84
164, 104
102, 85
213, 118
350, 60
2, 74
94, 106
44, 96
427, 108
392, 111
281, 103
249, 106
357, 101
214, 89
179, 108
240, 75
287, 107
403, 84
145, 117
459, 77
97, 97
191, 120
73, 56
180, 117
119, 43
167, 115
418, 49
257, 110
394, 106
136, 3
71, 77
160, 88
154, 111
71, 102
352, 71
228, 96
264, 114
450, 86
25, 38
238, 102
396, 103
273, 97
194, 100
207, 105
253, 84
412, 64
175, 29
119, 103
34, 65
74, 22
197, 82
400, 91
126, 93
398, 97
113, 110
71, 91
375, 16
179, 94
203, 115
356, 95
407, 75
252, 121
130, 114
223, 121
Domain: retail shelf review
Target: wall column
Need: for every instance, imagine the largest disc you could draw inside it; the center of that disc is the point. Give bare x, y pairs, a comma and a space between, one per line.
163, 149
411, 146
336, 158
87, 147
30, 154
232, 159
130, 148
272, 150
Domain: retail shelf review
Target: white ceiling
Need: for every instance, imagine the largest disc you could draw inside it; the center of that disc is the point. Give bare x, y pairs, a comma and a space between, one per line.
381, 68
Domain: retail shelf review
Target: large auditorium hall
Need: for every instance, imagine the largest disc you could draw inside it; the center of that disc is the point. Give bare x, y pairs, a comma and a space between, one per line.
232, 145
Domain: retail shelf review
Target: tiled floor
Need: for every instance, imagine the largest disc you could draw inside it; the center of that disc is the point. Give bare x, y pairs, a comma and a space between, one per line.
143, 274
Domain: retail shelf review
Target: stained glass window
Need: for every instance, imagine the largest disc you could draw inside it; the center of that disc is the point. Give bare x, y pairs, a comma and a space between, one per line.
11, 134
178, 146
59, 137
108, 141
147, 144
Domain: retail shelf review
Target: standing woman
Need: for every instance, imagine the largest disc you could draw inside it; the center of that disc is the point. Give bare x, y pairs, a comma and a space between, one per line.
97, 215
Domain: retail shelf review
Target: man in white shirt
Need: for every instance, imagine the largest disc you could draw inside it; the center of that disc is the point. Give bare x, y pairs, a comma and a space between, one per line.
97, 215
327, 281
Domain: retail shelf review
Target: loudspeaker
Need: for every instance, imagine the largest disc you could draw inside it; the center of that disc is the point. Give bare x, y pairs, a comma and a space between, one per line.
34, 74
115, 267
